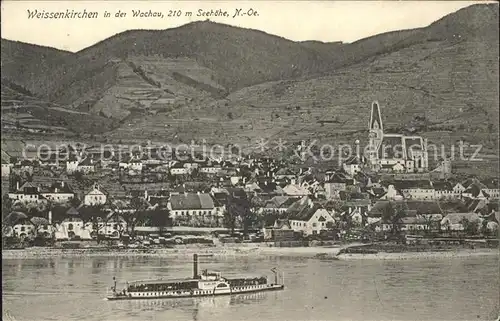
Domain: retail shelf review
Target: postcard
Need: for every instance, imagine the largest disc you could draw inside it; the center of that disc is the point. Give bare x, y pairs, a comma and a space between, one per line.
250, 160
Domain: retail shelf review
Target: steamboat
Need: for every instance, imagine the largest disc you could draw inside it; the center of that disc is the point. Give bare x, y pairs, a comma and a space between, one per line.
208, 283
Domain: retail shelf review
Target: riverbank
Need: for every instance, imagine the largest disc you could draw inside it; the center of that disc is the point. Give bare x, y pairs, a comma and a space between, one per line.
234, 251
459, 253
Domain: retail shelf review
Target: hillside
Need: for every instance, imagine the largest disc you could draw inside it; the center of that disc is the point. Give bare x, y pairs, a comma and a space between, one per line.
239, 57
213, 58
25, 64
230, 57
442, 83
25, 115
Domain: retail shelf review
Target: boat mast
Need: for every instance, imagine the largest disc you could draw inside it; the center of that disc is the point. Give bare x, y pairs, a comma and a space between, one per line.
195, 266
275, 275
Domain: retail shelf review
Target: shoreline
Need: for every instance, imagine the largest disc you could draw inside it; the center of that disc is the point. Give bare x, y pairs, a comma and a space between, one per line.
234, 251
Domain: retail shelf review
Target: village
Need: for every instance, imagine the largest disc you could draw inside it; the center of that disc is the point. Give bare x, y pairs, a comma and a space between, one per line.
138, 200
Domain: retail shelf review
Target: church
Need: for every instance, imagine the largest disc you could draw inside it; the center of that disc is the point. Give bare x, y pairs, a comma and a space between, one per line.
395, 153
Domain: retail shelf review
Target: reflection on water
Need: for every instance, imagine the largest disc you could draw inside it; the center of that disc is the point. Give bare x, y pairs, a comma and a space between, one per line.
201, 303
74, 288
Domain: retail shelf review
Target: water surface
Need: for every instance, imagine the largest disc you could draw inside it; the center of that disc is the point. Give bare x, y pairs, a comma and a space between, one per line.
440, 289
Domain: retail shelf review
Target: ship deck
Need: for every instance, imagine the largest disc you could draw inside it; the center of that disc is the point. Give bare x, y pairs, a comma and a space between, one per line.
192, 294
161, 281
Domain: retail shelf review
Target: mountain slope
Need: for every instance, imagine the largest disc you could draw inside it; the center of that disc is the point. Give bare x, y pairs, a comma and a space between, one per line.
239, 57
27, 65
442, 85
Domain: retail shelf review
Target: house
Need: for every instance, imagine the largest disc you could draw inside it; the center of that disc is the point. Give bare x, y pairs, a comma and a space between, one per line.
410, 224
310, 182
335, 183
308, 217
491, 188
94, 197
24, 228
235, 180
358, 215
72, 227
6, 164
377, 193
193, 209
277, 204
295, 190
455, 221
43, 227
352, 165
112, 228
267, 187
27, 193
58, 192
281, 231
72, 164
86, 165
416, 189
444, 190
392, 194
284, 173
411, 208
210, 168
179, 169
133, 163
458, 189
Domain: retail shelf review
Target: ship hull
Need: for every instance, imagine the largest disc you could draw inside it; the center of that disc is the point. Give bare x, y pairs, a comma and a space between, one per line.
195, 292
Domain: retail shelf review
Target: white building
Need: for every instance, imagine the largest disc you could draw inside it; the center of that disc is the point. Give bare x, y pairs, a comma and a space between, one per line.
59, 192
309, 218
95, 197
187, 208
27, 193
352, 165
70, 228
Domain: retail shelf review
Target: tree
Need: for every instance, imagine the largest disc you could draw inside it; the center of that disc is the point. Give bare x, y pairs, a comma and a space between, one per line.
229, 220
431, 224
470, 228
484, 228
159, 217
269, 218
78, 176
31, 209
346, 223
393, 214
135, 214
58, 212
6, 206
75, 202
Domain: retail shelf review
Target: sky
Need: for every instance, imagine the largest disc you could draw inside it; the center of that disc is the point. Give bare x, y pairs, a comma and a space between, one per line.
325, 21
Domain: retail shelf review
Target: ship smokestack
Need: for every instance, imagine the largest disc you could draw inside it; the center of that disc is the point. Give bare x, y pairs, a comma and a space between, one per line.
195, 266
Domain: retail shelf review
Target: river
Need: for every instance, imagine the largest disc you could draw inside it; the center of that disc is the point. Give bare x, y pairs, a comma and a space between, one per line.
438, 289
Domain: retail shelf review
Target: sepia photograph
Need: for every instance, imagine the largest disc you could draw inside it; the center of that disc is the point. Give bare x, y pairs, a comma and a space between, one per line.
250, 160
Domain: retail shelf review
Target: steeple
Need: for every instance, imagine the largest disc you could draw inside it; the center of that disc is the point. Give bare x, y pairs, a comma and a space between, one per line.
376, 132
375, 118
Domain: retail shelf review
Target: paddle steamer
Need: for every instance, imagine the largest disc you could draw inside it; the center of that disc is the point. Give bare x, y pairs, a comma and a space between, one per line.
200, 285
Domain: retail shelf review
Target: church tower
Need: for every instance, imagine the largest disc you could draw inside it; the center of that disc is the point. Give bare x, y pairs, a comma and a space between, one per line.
376, 133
